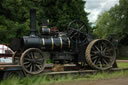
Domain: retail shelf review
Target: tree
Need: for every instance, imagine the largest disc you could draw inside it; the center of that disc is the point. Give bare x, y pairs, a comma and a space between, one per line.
14, 15
113, 21
102, 24
61, 12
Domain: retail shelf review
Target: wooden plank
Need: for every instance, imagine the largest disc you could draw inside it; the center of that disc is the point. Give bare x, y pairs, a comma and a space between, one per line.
85, 71
6, 64
70, 72
2, 66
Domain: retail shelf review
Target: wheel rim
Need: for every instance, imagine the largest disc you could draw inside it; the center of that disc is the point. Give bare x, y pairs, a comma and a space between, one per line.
100, 54
33, 61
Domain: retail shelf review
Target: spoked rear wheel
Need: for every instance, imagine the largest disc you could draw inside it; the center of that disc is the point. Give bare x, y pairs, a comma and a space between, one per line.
100, 54
33, 61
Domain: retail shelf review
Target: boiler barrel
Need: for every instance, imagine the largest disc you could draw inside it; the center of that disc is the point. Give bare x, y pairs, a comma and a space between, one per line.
47, 43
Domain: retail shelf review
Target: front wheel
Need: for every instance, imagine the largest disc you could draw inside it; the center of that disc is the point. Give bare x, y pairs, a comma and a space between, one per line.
33, 61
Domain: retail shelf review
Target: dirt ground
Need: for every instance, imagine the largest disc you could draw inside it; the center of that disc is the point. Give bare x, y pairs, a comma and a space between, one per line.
117, 81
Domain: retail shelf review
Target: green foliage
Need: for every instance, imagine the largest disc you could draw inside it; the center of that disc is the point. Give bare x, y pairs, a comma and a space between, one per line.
37, 80
14, 15
102, 24
61, 12
46, 80
114, 21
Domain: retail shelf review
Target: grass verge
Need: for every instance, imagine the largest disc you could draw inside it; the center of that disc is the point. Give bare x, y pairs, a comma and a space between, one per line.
122, 65
44, 79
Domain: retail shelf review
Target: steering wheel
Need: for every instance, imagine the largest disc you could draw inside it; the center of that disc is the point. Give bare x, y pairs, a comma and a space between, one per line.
77, 31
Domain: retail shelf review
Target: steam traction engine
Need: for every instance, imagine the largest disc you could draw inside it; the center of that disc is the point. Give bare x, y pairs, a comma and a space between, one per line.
75, 46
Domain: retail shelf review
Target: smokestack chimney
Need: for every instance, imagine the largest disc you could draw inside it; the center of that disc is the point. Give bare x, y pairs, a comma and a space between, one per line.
33, 22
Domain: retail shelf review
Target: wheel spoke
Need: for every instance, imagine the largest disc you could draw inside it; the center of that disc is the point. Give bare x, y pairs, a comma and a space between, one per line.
105, 61
97, 48
31, 68
38, 66
104, 46
73, 35
29, 56
32, 55
109, 50
95, 61
95, 57
98, 60
26, 62
40, 60
100, 64
95, 52
27, 59
109, 57
81, 27
39, 63
27, 66
105, 49
101, 48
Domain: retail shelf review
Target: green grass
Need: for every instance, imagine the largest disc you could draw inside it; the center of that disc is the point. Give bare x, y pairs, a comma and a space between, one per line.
37, 80
44, 79
122, 65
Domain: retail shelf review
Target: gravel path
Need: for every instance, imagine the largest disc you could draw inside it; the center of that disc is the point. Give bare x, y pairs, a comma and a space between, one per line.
117, 81
122, 61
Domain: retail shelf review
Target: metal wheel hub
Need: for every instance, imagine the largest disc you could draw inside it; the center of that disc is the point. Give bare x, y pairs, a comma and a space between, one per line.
33, 61
101, 54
